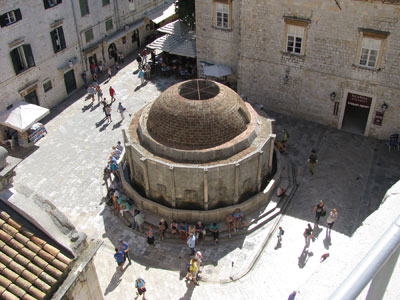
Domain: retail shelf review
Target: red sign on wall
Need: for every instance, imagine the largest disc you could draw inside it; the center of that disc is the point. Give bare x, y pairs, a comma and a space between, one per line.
378, 118
358, 100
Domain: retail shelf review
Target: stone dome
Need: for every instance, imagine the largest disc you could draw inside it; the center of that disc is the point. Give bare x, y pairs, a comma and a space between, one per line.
197, 114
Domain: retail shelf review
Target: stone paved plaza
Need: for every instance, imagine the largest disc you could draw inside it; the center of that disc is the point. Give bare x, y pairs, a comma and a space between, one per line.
353, 175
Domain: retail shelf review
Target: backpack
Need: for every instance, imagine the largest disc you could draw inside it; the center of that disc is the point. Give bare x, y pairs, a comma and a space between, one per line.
188, 265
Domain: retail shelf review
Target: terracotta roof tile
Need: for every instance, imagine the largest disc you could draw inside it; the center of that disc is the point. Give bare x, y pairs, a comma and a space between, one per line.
4, 236
9, 229
32, 246
16, 290
36, 293
38, 241
4, 216
6, 295
27, 297
63, 258
29, 267
21, 238
52, 250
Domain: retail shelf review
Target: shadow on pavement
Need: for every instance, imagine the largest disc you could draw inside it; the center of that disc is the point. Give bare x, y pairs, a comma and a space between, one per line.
114, 282
189, 292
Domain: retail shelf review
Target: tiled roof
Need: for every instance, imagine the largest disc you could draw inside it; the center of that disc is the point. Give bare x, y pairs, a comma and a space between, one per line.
30, 268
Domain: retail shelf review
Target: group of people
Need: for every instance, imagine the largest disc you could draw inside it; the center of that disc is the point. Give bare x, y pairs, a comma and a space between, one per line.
112, 165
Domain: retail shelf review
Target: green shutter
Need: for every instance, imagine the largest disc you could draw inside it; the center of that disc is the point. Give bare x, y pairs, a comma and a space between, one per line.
29, 55
15, 59
62, 38
17, 14
53, 35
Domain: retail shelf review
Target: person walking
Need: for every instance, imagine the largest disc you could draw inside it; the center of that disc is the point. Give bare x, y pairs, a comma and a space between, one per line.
191, 242
307, 234
319, 211
119, 257
141, 75
139, 61
144, 56
285, 137
192, 269
139, 220
312, 161
107, 112
84, 77
91, 92
140, 285
292, 295
121, 110
112, 94
99, 93
125, 248
280, 233
109, 73
333, 215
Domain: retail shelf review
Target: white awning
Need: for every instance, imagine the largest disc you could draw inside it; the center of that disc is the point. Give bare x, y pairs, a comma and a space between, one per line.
217, 70
23, 115
176, 27
118, 35
179, 45
162, 13
186, 47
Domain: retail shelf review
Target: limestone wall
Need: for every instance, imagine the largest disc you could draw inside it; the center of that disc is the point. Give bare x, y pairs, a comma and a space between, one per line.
328, 64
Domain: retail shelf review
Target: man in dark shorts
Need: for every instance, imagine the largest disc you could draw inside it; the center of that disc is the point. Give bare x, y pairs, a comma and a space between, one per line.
312, 161
119, 257
140, 286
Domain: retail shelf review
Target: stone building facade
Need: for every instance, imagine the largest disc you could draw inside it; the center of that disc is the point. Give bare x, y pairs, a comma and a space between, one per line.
333, 62
45, 45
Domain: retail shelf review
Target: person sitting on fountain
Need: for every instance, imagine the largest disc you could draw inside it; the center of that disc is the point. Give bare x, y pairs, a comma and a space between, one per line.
239, 218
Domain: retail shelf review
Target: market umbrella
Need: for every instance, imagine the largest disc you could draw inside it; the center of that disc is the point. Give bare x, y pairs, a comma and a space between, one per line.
23, 115
217, 70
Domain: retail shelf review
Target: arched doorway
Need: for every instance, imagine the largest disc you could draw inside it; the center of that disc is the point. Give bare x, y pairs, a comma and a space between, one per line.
112, 52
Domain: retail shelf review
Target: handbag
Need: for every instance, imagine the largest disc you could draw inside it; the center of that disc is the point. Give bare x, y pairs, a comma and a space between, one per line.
323, 213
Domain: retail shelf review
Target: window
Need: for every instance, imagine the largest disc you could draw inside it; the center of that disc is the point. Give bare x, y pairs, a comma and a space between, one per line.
295, 35
84, 5
131, 5
57, 37
106, 2
51, 3
89, 35
370, 48
294, 39
47, 86
10, 17
369, 52
22, 58
109, 24
222, 17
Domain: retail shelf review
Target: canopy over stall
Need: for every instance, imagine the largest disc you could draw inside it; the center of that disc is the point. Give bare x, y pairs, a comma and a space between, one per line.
217, 70
23, 115
179, 40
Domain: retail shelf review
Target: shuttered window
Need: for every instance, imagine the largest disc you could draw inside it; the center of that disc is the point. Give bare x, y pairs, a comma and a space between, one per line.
89, 35
10, 17
51, 3
22, 58
84, 5
58, 39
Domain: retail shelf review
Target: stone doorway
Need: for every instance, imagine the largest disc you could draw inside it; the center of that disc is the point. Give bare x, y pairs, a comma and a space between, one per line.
356, 113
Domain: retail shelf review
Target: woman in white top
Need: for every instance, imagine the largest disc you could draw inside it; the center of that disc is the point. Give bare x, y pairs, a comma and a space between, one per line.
333, 215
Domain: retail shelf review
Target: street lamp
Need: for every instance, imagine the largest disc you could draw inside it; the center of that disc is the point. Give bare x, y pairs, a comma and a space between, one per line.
384, 107
333, 96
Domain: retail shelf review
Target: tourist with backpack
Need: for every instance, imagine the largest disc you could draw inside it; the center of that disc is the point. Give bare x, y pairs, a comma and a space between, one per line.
192, 268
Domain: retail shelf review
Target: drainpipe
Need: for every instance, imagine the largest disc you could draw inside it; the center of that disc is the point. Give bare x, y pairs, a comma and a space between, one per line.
116, 13
77, 34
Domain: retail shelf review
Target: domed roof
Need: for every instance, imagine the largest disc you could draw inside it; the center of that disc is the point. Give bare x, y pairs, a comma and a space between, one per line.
197, 114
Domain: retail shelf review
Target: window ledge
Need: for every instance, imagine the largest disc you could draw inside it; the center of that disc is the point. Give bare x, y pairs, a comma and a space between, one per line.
301, 56
221, 28
366, 68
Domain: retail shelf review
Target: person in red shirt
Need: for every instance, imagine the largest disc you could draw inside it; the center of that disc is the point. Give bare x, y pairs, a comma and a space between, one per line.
112, 94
